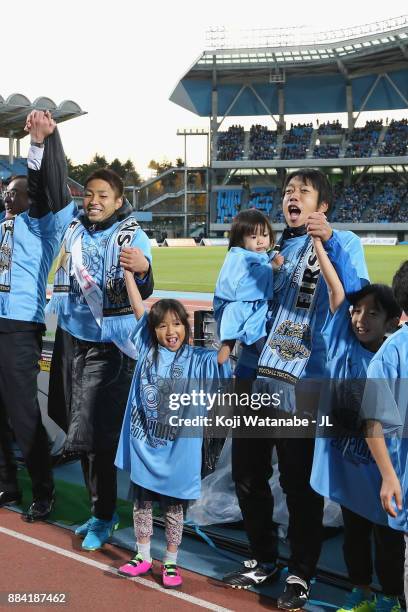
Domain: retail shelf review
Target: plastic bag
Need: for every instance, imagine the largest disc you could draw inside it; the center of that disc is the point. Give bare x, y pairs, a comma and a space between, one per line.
219, 504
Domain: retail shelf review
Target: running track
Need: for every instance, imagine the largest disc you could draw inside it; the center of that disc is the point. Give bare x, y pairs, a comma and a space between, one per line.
44, 558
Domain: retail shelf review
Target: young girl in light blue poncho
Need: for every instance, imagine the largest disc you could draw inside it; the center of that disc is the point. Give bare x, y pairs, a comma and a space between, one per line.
159, 446
246, 280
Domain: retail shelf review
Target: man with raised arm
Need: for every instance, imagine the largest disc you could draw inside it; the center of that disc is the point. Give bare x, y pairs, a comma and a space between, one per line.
29, 241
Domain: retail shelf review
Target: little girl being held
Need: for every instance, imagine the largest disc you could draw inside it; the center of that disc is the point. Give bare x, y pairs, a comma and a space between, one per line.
245, 282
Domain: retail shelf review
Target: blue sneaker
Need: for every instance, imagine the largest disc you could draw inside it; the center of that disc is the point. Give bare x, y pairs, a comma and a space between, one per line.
99, 532
82, 530
387, 604
357, 601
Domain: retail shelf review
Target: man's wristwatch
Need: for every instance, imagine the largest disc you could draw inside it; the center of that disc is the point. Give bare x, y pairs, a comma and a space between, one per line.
37, 144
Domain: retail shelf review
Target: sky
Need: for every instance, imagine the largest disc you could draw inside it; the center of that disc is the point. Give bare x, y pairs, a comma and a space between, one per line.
121, 59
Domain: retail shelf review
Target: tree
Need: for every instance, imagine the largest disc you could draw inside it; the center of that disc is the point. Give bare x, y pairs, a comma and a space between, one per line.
126, 171
160, 167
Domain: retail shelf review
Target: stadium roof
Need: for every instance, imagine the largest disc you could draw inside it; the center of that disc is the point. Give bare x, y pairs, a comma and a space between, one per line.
312, 69
14, 110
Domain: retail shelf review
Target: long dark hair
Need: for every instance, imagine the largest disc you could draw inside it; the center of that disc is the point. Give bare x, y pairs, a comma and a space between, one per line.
246, 223
156, 315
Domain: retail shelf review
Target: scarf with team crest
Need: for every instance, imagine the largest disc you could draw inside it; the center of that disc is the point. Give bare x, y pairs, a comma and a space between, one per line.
287, 349
110, 305
6, 252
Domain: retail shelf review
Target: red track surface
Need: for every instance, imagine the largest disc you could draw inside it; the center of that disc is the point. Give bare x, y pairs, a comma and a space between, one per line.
27, 567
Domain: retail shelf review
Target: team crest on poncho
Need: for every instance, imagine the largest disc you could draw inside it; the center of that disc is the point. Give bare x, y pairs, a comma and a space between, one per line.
291, 340
116, 287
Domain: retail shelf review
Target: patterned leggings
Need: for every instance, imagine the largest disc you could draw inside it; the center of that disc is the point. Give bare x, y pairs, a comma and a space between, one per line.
143, 522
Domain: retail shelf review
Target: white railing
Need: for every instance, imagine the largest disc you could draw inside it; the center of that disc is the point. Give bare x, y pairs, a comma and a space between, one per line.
220, 37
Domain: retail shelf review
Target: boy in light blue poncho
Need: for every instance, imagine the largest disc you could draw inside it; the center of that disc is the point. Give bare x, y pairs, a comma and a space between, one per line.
245, 282
385, 404
343, 468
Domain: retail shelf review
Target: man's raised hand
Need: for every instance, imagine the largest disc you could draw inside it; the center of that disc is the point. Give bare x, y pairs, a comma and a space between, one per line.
39, 125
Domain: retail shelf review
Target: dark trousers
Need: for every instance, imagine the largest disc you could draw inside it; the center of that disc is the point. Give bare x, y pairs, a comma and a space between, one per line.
389, 551
89, 387
251, 471
100, 478
19, 356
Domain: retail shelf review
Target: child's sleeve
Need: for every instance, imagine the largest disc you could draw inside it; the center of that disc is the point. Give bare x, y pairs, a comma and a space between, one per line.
256, 283
347, 255
379, 400
244, 276
336, 330
140, 336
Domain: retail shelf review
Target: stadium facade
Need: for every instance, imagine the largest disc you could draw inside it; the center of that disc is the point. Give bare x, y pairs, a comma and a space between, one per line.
276, 74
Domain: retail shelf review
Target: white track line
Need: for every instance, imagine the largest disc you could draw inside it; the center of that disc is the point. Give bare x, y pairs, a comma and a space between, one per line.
107, 568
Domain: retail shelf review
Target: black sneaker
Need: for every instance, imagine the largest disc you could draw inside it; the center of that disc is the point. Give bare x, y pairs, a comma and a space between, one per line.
252, 574
39, 510
295, 595
10, 497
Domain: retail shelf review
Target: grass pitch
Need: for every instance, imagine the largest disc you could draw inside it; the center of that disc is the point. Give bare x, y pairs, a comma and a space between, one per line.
196, 269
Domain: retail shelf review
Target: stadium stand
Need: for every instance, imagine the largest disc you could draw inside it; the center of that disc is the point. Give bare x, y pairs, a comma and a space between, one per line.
228, 205
331, 138
326, 151
231, 144
362, 141
330, 128
19, 166
264, 199
262, 142
396, 139
373, 200
296, 141
381, 199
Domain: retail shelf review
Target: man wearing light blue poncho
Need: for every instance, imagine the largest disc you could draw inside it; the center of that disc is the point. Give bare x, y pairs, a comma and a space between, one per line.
28, 244
294, 351
93, 359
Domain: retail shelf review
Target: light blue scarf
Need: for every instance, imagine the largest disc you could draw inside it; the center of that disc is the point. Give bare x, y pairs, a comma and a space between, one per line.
118, 318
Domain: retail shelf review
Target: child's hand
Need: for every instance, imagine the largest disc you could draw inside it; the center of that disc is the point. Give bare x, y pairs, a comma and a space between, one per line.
133, 260
277, 261
391, 489
318, 227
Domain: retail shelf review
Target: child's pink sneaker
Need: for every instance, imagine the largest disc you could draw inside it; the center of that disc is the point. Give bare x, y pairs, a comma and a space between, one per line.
171, 576
135, 567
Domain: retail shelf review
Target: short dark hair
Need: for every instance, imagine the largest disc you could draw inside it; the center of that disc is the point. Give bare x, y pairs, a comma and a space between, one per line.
17, 177
318, 180
109, 176
157, 313
400, 286
383, 298
245, 224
